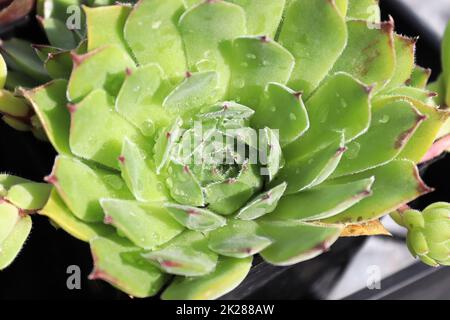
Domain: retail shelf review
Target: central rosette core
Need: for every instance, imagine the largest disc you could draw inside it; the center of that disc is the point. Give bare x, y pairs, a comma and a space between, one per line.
216, 159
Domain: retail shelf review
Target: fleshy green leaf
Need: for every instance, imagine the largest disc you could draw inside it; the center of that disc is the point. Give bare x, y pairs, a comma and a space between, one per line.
57, 211
272, 158
147, 225
12, 244
139, 174
165, 144
194, 92
419, 77
97, 131
59, 65
393, 124
184, 185
316, 34
81, 186
263, 204
105, 26
3, 72
230, 195
254, 62
238, 239
161, 41
204, 29
139, 99
282, 109
49, 103
187, 255
396, 183
9, 216
13, 106
20, 55
29, 195
312, 169
103, 68
294, 242
263, 16
57, 33
404, 51
119, 262
340, 104
196, 219
323, 201
229, 273
226, 110
426, 134
7, 181
369, 55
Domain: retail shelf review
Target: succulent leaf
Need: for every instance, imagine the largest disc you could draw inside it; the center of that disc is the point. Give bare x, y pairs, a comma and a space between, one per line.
294, 242
56, 210
105, 26
316, 34
314, 168
97, 131
3, 72
161, 43
393, 124
187, 255
119, 262
29, 195
377, 63
81, 186
323, 201
229, 273
104, 68
139, 99
204, 29
147, 225
238, 239
254, 62
396, 183
139, 174
49, 103
340, 104
57, 33
194, 218
419, 77
263, 17
263, 204
11, 245
282, 109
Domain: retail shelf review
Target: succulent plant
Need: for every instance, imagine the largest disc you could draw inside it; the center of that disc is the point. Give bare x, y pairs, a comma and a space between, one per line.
193, 135
428, 232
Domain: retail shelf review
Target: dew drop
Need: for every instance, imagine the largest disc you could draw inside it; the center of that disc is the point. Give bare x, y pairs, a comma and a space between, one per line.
384, 119
156, 24
353, 150
239, 83
148, 128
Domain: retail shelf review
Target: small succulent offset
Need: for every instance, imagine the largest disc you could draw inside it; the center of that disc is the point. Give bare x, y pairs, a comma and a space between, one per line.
193, 135
428, 232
